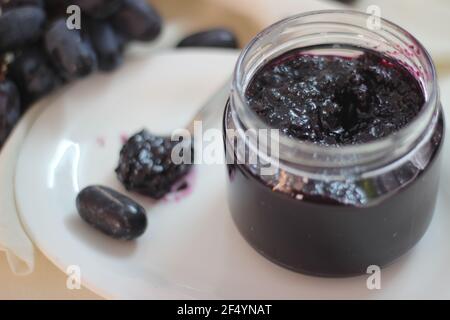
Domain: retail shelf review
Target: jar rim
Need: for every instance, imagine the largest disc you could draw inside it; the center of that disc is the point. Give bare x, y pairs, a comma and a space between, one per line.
403, 139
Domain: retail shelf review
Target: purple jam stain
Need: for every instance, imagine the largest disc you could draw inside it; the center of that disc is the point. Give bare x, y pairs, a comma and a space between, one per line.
335, 100
100, 141
183, 188
123, 137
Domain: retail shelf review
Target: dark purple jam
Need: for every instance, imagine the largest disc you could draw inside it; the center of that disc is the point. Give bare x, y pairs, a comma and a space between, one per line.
333, 100
146, 166
332, 240
319, 225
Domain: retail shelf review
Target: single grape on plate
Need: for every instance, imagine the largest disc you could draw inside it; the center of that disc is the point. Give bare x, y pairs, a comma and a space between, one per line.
111, 212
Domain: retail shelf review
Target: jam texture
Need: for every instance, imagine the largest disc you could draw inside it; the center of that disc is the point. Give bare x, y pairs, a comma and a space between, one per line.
335, 100
145, 165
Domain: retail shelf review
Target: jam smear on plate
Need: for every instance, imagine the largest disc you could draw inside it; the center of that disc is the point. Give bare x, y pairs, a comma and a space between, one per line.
146, 166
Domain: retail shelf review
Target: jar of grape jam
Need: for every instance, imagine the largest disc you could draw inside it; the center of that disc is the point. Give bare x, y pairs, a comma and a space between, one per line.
346, 172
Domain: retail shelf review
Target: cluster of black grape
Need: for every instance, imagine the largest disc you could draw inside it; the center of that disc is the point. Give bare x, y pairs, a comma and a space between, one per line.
39, 51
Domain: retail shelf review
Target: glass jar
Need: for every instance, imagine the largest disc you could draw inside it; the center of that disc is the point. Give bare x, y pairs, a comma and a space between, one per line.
333, 210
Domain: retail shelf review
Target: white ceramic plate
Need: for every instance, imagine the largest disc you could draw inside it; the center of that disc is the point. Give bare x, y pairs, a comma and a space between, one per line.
191, 248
